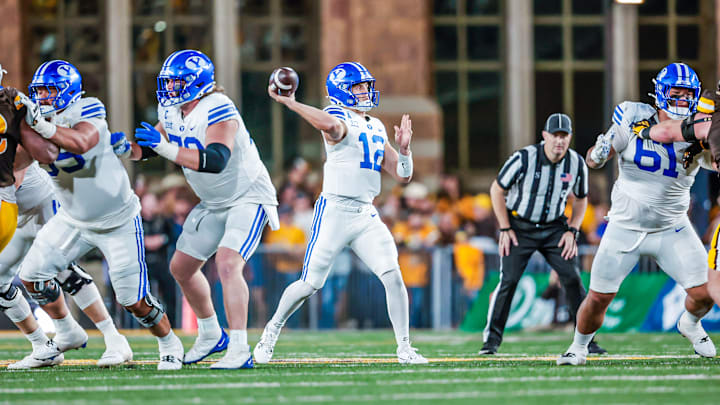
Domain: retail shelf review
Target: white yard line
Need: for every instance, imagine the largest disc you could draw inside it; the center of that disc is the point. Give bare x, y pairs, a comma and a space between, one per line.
435, 382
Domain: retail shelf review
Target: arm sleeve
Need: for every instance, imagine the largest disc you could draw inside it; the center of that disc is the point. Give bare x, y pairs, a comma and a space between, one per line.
213, 158
511, 170
581, 183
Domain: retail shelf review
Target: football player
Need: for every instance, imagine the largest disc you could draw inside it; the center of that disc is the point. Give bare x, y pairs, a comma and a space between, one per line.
357, 150
37, 204
99, 209
200, 129
648, 215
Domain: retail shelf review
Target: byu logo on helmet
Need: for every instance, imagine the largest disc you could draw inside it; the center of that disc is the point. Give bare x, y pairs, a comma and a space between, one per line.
339, 85
56, 76
674, 76
185, 76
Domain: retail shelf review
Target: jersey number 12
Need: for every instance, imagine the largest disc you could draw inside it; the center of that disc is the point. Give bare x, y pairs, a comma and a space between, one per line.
377, 157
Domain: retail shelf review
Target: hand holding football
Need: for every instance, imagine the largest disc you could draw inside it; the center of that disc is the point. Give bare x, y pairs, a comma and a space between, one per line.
284, 81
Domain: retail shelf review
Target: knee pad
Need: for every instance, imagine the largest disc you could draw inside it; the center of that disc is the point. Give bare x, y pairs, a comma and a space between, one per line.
14, 305
154, 316
73, 279
46, 292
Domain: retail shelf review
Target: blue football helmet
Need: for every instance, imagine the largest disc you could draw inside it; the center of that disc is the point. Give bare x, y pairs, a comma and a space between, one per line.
61, 76
339, 86
676, 75
185, 76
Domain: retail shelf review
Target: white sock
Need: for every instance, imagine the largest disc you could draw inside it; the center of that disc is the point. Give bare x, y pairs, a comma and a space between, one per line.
107, 328
209, 327
238, 338
687, 317
65, 325
167, 341
292, 299
397, 303
37, 338
582, 340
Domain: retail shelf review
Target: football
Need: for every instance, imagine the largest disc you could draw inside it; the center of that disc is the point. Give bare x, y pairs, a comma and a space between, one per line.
284, 81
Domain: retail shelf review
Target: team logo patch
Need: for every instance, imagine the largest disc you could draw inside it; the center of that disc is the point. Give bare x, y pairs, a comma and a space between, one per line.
3, 124
3, 145
64, 70
566, 177
195, 62
337, 75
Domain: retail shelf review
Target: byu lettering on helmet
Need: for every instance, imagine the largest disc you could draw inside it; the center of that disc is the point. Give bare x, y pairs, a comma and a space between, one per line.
339, 85
676, 75
60, 76
185, 76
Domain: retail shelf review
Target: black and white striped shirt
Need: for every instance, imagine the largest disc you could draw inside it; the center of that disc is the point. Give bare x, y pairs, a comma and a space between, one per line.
538, 188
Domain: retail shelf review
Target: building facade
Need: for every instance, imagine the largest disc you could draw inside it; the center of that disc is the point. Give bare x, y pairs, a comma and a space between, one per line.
477, 76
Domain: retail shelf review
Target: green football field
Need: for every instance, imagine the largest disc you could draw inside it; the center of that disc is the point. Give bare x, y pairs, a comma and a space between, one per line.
359, 367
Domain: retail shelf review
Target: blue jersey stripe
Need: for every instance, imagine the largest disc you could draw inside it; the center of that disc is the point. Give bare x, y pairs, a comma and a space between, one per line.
340, 114
93, 105
221, 112
94, 112
224, 117
221, 106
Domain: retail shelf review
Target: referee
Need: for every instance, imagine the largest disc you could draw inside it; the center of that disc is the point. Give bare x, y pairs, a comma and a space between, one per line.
529, 197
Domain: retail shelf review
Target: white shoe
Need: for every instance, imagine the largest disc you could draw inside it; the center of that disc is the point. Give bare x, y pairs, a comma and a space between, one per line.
118, 352
264, 349
171, 357
76, 339
46, 355
235, 359
573, 357
205, 347
409, 355
695, 333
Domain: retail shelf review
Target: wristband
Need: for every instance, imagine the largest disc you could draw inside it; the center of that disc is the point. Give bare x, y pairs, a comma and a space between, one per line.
45, 129
404, 165
505, 229
167, 150
574, 230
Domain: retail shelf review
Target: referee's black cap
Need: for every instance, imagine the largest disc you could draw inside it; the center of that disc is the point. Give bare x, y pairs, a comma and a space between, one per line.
558, 122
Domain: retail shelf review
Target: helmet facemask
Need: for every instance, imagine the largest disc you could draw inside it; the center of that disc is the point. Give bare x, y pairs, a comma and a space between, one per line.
51, 103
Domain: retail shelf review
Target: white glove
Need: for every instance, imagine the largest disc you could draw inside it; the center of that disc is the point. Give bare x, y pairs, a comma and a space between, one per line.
33, 117
601, 151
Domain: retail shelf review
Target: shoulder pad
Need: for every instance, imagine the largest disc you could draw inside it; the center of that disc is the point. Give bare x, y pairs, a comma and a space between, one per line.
219, 108
89, 107
629, 112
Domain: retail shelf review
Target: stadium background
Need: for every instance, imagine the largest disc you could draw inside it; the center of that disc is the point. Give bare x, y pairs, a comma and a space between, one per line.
478, 77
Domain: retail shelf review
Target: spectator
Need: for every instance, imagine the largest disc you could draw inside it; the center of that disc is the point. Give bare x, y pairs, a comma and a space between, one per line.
470, 264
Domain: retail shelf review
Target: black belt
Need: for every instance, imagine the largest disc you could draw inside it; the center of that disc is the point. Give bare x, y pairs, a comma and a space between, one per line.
526, 223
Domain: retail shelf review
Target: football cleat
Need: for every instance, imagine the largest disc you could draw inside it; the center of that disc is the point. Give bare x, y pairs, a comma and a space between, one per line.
235, 359
74, 340
264, 349
409, 355
594, 348
118, 352
171, 356
31, 362
488, 349
573, 357
695, 333
205, 347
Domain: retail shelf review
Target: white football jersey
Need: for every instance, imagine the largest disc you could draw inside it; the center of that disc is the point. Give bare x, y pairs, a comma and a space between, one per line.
245, 176
36, 187
93, 188
353, 165
652, 191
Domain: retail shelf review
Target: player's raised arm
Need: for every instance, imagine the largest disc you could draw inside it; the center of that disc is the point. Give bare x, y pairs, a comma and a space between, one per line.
400, 165
332, 127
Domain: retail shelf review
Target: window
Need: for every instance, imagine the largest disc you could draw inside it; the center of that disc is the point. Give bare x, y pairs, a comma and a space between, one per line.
276, 33
569, 66
672, 31
72, 30
159, 29
468, 77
